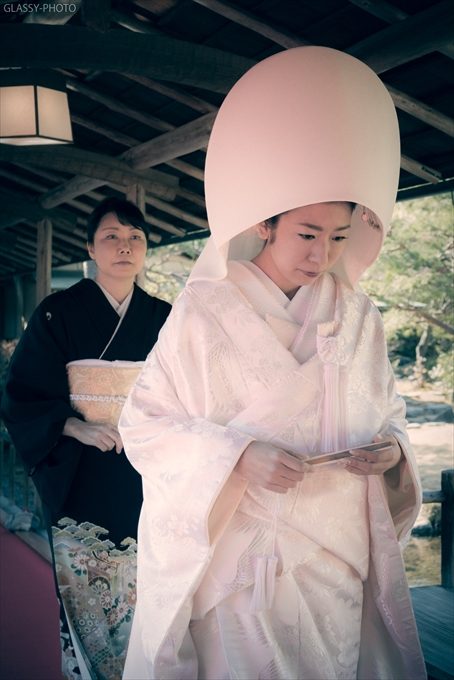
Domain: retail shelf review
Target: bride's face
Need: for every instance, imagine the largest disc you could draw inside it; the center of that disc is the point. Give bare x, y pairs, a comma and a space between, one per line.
305, 243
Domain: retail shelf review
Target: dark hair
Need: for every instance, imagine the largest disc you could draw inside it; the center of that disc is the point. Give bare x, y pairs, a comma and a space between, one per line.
126, 211
272, 222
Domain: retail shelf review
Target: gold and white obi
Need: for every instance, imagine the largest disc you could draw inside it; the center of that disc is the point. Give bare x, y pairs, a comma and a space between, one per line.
98, 388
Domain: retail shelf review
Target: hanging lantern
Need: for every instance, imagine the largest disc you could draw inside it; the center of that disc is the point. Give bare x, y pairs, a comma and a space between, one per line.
33, 108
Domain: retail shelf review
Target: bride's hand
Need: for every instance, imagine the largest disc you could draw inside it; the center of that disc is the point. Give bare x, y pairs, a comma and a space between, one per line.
270, 467
365, 462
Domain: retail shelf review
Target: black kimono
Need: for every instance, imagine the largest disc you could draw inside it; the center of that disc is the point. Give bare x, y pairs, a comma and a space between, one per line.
73, 479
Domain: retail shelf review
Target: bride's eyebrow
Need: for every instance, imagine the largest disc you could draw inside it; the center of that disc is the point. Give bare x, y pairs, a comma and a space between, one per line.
316, 227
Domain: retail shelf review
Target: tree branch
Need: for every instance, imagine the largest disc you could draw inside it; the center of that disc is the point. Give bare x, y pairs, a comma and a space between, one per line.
427, 317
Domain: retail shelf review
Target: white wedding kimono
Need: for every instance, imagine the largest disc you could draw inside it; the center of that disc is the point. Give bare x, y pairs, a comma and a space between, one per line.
237, 361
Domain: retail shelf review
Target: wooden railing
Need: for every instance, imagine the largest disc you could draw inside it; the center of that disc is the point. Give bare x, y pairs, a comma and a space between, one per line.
445, 496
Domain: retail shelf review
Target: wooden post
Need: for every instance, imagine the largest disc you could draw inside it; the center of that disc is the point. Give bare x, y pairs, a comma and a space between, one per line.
19, 310
447, 529
43, 259
136, 194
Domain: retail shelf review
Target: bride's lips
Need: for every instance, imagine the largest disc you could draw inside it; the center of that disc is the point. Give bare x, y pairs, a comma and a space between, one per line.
312, 274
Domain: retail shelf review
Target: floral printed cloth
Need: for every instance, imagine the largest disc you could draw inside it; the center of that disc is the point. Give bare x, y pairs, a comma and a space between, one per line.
97, 584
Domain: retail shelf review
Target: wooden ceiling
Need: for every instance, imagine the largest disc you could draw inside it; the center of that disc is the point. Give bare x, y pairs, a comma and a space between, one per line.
146, 77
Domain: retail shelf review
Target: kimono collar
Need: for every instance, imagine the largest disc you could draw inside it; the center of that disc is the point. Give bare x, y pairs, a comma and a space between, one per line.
294, 322
120, 307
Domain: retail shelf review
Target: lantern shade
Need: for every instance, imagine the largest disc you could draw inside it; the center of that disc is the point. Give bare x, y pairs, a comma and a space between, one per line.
33, 111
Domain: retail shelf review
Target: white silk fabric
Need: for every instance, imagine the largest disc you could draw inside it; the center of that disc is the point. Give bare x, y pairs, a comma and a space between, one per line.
306, 125
236, 361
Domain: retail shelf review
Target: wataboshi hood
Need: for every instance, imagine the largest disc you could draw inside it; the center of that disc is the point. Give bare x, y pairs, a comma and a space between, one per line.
307, 125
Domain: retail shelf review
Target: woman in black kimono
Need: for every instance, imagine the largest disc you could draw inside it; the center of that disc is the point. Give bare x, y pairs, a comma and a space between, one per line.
69, 442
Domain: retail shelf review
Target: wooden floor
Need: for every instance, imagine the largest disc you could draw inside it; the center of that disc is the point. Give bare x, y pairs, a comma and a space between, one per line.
434, 611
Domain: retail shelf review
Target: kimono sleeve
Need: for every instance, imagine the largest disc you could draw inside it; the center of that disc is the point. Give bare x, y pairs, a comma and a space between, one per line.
35, 404
180, 453
402, 483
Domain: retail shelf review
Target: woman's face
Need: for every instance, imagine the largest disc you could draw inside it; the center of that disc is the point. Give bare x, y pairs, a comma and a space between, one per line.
119, 250
305, 243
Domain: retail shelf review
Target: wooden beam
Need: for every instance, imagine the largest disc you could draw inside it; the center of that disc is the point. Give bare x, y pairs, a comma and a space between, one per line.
80, 232
133, 24
93, 165
136, 194
77, 242
116, 105
165, 226
41, 172
420, 34
380, 8
183, 140
55, 177
96, 15
29, 239
12, 212
23, 181
128, 141
69, 190
186, 168
401, 100
27, 248
192, 102
391, 14
248, 20
178, 212
421, 111
17, 206
6, 269
43, 259
420, 170
192, 196
20, 255
38, 187
109, 133
163, 57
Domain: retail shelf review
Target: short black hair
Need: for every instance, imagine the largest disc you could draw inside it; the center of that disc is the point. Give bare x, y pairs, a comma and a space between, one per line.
126, 211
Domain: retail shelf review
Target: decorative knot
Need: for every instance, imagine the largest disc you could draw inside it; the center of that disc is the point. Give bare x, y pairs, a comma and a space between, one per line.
331, 349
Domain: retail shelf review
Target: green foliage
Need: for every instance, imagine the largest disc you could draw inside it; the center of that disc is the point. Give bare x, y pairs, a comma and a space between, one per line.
167, 268
412, 283
442, 373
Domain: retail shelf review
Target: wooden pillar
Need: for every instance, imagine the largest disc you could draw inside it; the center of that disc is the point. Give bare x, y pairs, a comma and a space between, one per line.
136, 194
19, 310
43, 259
447, 529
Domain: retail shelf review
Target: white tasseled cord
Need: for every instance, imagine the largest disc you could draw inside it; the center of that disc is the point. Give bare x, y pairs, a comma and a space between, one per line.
265, 569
